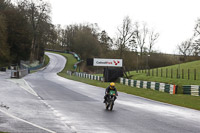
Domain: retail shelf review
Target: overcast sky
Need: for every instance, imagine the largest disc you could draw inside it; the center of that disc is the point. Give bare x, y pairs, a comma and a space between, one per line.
173, 19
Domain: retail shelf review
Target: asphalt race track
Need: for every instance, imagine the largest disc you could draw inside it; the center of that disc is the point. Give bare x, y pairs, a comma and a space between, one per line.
55, 104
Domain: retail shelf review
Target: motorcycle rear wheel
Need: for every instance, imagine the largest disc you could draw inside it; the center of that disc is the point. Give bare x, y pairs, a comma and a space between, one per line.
111, 106
107, 106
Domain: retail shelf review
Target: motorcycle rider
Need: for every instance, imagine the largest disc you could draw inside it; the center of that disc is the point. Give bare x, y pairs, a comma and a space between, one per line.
110, 87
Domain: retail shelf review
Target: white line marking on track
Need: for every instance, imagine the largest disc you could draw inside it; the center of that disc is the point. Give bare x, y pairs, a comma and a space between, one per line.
29, 88
27, 122
24, 85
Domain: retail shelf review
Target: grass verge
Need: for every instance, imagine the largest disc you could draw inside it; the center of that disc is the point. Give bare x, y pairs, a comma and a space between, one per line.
188, 101
46, 61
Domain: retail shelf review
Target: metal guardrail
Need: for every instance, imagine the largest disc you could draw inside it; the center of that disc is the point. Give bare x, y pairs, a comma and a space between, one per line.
27, 65
24, 69
3, 69
85, 75
19, 73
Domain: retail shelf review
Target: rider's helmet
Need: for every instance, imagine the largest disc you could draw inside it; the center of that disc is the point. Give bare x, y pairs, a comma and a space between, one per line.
112, 85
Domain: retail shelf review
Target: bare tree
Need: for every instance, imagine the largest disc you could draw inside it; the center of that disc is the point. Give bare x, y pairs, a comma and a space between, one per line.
197, 28
196, 47
125, 35
185, 48
196, 44
63, 39
141, 34
152, 40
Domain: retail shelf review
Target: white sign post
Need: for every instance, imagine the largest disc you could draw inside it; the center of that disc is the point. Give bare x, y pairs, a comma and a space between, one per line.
107, 62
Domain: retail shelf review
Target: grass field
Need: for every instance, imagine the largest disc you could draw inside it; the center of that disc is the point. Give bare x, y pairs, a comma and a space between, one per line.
167, 77
178, 99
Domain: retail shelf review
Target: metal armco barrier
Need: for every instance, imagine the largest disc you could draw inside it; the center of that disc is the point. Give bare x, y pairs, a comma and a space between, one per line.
14, 74
23, 73
193, 90
171, 89
3, 69
84, 75
19, 73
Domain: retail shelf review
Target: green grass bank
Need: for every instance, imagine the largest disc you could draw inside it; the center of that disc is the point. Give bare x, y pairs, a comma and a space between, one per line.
182, 74
46, 61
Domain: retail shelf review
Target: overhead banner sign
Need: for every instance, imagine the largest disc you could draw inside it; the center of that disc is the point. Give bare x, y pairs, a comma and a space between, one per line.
107, 62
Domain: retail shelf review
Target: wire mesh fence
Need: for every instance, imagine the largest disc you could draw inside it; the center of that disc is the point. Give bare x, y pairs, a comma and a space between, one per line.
190, 74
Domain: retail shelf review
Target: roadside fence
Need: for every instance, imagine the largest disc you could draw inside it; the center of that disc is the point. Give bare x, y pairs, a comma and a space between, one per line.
169, 88
31, 66
19, 73
189, 74
84, 75
193, 90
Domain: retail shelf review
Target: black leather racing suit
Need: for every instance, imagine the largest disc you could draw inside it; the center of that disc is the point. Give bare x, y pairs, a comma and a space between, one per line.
108, 91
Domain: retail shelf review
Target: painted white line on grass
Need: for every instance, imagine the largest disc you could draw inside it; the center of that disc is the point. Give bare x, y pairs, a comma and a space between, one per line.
45, 129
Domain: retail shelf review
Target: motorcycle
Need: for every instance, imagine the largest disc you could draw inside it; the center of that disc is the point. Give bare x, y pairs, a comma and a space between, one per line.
110, 100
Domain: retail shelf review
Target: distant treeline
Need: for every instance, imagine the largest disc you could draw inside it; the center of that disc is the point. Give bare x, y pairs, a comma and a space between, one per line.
26, 30
134, 44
